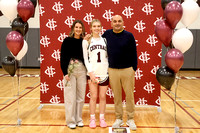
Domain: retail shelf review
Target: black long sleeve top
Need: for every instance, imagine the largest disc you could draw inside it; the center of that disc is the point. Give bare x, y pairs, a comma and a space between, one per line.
121, 47
71, 48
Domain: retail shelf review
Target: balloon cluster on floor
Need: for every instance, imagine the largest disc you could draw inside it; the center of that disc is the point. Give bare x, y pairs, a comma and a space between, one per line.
176, 41
18, 13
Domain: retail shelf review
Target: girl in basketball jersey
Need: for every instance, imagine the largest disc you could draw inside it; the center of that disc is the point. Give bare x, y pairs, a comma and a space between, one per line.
96, 62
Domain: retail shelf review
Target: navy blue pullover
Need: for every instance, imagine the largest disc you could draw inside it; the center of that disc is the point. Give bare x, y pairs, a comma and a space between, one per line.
121, 47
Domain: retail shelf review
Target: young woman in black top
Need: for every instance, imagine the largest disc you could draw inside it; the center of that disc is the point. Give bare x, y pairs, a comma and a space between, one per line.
74, 71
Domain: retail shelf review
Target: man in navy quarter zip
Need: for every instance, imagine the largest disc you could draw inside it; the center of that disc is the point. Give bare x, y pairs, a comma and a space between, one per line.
122, 58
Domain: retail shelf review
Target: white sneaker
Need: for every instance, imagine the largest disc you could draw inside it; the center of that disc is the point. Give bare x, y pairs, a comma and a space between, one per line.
72, 126
131, 124
117, 123
80, 124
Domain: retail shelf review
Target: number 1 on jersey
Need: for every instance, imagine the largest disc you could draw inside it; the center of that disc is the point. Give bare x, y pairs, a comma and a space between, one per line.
98, 57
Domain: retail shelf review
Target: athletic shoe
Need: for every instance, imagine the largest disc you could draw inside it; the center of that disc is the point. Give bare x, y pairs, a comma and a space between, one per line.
92, 123
72, 126
117, 123
103, 123
131, 124
80, 124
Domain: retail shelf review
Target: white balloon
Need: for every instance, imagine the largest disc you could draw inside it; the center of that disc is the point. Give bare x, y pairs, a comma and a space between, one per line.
22, 52
190, 12
182, 39
9, 8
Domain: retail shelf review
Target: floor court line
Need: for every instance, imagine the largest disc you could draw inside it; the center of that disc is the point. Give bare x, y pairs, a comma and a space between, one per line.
182, 108
187, 104
19, 97
54, 125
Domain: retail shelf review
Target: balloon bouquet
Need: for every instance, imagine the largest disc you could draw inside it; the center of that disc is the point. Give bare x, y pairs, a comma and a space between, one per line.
18, 13
177, 42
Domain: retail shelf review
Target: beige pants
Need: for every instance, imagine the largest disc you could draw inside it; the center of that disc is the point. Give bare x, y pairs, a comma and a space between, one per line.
123, 78
74, 95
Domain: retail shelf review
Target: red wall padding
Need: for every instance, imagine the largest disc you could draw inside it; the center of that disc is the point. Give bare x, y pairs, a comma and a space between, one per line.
139, 16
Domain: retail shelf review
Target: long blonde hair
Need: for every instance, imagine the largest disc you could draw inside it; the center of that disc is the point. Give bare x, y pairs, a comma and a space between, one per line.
71, 34
94, 20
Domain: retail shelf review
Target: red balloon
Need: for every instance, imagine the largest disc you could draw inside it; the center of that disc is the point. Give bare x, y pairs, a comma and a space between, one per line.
164, 32
14, 42
173, 13
25, 9
174, 59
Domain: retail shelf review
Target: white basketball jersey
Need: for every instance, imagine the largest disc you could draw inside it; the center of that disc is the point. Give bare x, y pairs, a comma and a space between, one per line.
95, 57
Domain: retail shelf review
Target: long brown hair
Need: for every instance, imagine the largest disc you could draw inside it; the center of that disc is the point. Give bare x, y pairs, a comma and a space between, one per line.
71, 34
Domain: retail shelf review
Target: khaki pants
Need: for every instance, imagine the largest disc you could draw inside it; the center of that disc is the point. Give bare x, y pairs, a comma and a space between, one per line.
74, 95
123, 78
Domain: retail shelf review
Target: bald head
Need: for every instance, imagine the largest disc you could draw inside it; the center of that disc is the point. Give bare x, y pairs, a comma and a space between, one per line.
117, 23
117, 17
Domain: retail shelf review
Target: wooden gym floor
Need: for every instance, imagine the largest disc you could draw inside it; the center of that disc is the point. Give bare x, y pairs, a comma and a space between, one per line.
51, 118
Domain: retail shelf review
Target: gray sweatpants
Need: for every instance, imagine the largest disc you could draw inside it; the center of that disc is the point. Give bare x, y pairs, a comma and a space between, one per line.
74, 95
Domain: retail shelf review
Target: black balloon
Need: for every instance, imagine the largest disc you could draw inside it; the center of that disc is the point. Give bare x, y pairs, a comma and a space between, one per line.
34, 3
10, 65
1, 14
165, 77
19, 25
165, 2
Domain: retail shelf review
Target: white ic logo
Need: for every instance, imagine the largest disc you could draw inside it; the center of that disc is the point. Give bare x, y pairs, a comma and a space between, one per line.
144, 57
115, 1
158, 100
57, 7
124, 102
160, 54
157, 19
128, 12
62, 37
140, 26
102, 30
54, 99
45, 41
138, 74
60, 84
136, 42
41, 11
88, 95
96, 3
149, 87
154, 70
141, 101
77, 4
44, 87
56, 55
148, 8
88, 18
41, 58
51, 24
109, 92
69, 21
108, 15
152, 40
50, 71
